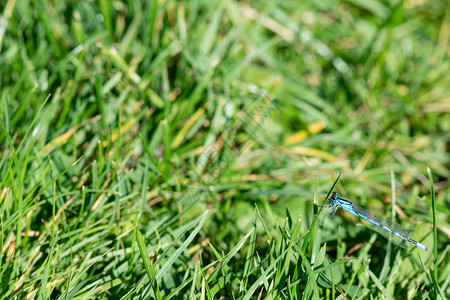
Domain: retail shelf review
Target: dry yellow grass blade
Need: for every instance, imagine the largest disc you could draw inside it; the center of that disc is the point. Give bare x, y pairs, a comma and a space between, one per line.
63, 138
313, 153
182, 133
303, 134
123, 130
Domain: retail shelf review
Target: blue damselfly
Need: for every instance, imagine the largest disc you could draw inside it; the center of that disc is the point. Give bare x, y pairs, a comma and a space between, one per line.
398, 234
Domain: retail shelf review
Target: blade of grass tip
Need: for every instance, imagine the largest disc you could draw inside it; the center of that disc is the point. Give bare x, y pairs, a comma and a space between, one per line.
294, 236
148, 265
143, 194
205, 280
331, 265
43, 290
203, 293
283, 275
32, 123
316, 217
309, 270
192, 278
183, 247
279, 274
431, 279
140, 212
250, 253
150, 155
194, 281
319, 272
332, 187
314, 230
266, 286
360, 270
224, 262
263, 279
269, 235
161, 226
320, 256
264, 276
316, 200
14, 165
81, 284
333, 285
433, 205
379, 285
35, 196
289, 289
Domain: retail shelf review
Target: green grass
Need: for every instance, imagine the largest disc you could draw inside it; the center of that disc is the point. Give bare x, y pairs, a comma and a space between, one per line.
180, 149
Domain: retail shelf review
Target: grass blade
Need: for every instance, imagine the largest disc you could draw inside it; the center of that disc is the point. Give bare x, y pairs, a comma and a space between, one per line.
148, 265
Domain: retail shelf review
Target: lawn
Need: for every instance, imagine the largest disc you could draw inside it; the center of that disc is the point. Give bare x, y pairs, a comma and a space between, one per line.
185, 149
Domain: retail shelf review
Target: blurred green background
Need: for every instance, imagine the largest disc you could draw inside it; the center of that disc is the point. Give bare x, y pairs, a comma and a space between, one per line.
181, 149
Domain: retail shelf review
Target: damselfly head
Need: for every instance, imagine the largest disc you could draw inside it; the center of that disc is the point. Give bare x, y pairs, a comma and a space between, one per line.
334, 197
